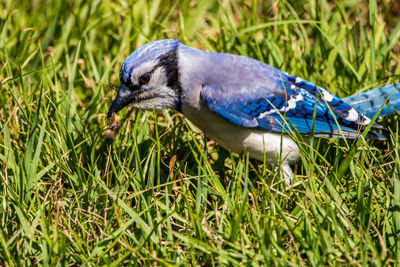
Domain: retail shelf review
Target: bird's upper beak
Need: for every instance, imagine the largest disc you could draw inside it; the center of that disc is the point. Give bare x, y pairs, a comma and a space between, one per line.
123, 98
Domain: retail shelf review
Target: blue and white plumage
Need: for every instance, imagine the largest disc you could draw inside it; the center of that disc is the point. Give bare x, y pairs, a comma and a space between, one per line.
243, 104
371, 101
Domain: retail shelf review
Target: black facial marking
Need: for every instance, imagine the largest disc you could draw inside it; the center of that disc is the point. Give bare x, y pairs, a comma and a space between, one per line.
170, 63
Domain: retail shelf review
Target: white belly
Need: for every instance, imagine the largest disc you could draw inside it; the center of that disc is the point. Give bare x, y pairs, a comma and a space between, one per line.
258, 144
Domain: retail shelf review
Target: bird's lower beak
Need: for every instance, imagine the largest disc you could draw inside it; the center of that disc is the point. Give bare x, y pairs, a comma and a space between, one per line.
123, 98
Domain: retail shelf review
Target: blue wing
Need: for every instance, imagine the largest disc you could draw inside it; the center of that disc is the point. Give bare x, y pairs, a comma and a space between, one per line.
290, 104
371, 101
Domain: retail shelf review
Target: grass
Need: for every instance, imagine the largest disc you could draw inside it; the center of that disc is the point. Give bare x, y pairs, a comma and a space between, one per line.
162, 193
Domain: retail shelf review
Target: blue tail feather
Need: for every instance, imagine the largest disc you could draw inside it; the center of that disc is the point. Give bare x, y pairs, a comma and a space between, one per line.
371, 101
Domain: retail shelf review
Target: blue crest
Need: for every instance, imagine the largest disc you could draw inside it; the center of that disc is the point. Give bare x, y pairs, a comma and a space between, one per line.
150, 51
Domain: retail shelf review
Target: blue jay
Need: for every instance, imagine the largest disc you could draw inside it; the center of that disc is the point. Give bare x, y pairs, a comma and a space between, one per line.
243, 104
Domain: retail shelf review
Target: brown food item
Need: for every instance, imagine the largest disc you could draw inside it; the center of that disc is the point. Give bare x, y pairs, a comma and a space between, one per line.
113, 128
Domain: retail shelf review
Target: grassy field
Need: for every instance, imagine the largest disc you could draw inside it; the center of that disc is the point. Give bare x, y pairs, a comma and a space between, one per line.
162, 193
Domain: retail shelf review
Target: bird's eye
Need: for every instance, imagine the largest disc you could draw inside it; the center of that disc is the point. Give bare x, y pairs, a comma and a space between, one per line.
145, 78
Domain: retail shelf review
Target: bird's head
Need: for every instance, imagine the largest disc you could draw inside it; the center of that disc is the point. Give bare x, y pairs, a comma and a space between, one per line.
150, 78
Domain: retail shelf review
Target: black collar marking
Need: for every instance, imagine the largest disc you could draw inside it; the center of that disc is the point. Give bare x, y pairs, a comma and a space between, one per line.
170, 63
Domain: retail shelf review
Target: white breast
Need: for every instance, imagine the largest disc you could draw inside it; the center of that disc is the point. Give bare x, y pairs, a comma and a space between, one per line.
238, 139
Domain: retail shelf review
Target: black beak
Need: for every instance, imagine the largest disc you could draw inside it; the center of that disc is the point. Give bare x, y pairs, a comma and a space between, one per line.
122, 100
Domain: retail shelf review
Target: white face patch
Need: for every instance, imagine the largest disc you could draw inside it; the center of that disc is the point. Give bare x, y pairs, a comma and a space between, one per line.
291, 104
156, 93
158, 78
142, 69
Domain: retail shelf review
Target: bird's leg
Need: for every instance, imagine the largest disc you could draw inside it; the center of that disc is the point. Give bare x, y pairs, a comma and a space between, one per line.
285, 172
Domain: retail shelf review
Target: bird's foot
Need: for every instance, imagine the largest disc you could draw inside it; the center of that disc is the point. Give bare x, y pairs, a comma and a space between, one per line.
285, 172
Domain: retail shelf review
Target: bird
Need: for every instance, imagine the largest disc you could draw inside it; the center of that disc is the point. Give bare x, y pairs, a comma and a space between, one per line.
245, 105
